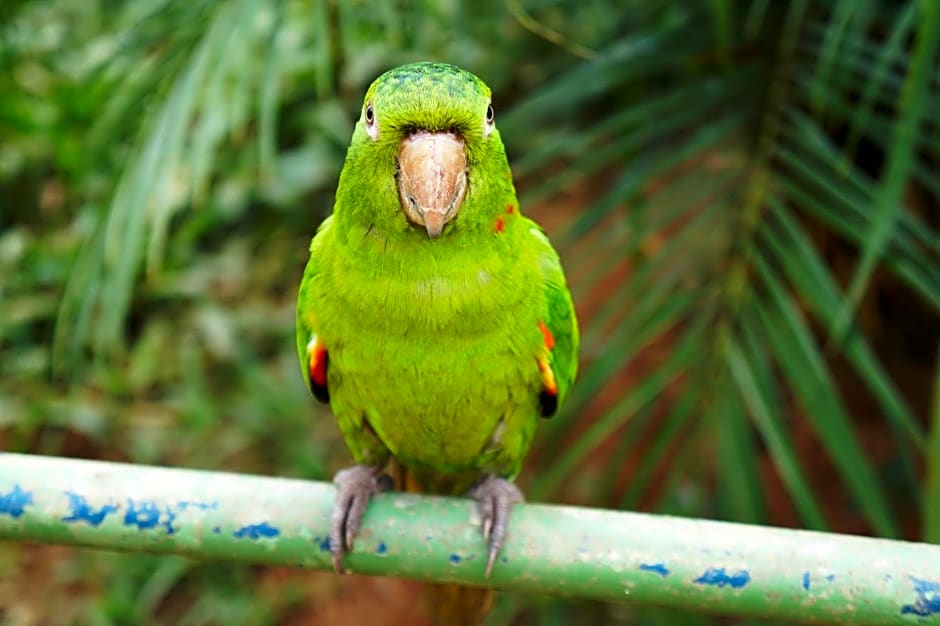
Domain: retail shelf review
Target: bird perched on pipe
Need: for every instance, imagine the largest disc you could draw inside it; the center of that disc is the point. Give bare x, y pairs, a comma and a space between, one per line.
433, 316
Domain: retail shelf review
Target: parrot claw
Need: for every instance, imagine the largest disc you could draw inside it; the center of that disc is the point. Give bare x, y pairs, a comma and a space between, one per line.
495, 496
355, 486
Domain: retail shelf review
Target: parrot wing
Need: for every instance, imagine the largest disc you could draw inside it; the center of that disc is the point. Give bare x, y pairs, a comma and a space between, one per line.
558, 360
311, 350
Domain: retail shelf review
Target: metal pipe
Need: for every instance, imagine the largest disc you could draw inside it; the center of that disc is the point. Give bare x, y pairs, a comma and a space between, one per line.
700, 565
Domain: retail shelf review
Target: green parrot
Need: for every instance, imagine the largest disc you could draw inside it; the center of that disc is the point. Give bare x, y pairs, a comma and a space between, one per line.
433, 317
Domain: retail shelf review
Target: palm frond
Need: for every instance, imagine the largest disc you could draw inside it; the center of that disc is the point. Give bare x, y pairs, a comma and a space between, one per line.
900, 156
746, 264
736, 188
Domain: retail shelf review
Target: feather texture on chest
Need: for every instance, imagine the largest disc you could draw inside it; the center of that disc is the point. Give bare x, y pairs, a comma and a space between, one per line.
415, 288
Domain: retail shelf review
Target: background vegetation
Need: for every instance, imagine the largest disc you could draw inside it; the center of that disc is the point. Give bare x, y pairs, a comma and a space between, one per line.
745, 194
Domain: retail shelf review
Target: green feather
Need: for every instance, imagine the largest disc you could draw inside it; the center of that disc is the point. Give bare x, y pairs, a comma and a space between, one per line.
433, 343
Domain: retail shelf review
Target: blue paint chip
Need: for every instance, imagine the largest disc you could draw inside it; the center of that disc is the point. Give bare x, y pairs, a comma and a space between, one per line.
455, 559
718, 577
256, 531
829, 578
216, 530
927, 602
381, 548
805, 581
182, 505
15, 502
81, 511
656, 568
323, 543
144, 515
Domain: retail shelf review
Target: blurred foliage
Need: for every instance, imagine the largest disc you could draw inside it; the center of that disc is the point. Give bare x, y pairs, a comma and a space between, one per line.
745, 194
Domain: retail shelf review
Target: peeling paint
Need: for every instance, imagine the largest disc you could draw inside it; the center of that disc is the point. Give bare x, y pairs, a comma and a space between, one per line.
656, 568
143, 515
182, 505
146, 514
15, 502
845, 577
256, 531
81, 511
718, 577
927, 602
149, 514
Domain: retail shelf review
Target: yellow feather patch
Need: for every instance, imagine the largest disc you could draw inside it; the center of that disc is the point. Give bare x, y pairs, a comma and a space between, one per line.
548, 376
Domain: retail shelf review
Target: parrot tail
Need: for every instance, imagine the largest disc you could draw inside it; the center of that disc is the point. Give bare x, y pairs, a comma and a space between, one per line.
448, 604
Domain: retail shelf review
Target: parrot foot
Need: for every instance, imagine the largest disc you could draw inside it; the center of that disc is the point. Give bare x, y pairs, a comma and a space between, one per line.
495, 497
354, 487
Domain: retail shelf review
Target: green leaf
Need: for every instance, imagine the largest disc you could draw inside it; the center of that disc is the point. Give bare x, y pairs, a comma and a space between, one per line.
843, 13
832, 199
653, 286
268, 94
747, 367
738, 469
932, 482
653, 164
806, 271
809, 377
670, 431
892, 49
900, 157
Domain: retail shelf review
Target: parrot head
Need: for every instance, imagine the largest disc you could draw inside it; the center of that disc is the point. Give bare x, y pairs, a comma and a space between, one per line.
427, 136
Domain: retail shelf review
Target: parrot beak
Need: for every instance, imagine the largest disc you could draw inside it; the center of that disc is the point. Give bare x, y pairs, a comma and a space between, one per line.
432, 179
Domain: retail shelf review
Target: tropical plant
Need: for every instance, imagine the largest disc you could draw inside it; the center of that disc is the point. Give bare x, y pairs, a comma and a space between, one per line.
745, 195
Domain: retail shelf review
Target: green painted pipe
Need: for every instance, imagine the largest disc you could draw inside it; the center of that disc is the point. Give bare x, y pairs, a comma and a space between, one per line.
700, 565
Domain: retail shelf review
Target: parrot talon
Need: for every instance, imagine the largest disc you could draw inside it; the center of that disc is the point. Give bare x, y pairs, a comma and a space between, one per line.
495, 497
355, 486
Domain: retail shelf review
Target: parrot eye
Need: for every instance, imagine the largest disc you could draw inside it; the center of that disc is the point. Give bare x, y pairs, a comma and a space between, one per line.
490, 116
370, 121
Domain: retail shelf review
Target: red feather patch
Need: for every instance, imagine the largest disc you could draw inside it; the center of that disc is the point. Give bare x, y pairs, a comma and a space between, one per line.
547, 336
317, 361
